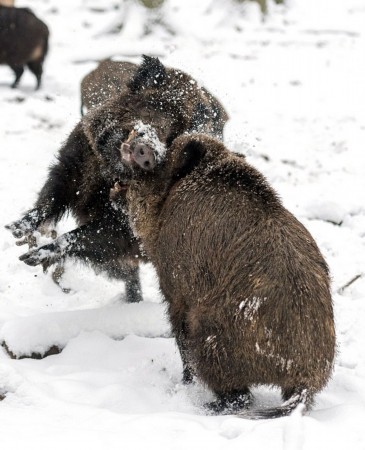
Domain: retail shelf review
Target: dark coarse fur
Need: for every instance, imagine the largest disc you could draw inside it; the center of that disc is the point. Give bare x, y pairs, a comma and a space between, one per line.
111, 78
247, 288
105, 82
89, 163
23, 41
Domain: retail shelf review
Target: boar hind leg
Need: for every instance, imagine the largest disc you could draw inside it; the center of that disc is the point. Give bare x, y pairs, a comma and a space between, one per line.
296, 395
57, 277
128, 271
18, 70
36, 67
133, 285
182, 343
231, 402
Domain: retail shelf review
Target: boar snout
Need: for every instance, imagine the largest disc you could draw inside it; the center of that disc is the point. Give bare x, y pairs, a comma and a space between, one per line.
138, 153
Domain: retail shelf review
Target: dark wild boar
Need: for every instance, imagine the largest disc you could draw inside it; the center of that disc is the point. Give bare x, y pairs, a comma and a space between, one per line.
89, 163
105, 82
247, 288
23, 42
111, 78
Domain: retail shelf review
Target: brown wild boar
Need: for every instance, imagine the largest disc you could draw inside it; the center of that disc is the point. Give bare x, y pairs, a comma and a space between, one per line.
247, 288
105, 82
23, 41
89, 162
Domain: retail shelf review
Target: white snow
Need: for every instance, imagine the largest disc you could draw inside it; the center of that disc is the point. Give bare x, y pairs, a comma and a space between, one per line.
293, 85
251, 306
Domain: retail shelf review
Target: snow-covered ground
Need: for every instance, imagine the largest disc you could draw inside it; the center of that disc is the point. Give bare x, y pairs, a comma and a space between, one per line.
294, 87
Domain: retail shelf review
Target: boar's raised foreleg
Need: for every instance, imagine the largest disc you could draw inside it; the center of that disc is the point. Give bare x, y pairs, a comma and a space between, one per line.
110, 248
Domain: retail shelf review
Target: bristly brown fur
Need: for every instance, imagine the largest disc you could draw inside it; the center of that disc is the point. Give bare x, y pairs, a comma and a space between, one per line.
108, 80
247, 288
112, 78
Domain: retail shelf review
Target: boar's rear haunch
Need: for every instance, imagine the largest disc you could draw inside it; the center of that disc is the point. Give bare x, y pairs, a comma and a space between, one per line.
111, 78
23, 41
247, 288
89, 163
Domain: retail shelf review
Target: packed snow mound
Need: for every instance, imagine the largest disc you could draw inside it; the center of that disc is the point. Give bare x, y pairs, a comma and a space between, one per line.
38, 333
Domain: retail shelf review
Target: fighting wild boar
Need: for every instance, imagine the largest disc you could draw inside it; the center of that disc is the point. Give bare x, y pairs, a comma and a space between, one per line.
104, 82
111, 78
247, 289
88, 165
23, 42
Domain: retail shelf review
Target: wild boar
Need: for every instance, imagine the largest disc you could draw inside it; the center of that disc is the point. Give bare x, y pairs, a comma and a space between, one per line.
88, 165
23, 42
105, 82
111, 78
247, 288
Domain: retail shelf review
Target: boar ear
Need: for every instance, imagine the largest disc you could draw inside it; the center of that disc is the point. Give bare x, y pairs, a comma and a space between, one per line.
188, 158
151, 73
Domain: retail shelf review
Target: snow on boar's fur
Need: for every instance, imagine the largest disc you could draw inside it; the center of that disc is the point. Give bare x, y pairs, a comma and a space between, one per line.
89, 163
111, 78
247, 288
106, 81
23, 41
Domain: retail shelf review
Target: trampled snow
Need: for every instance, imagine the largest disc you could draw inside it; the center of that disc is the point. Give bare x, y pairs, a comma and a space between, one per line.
293, 85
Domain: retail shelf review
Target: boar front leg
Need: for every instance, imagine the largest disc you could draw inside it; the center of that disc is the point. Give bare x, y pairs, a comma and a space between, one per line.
113, 249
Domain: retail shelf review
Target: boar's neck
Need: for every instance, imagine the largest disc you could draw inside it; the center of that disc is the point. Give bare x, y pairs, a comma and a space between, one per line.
145, 201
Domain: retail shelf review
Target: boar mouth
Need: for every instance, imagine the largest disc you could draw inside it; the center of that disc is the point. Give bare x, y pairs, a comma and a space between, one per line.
119, 188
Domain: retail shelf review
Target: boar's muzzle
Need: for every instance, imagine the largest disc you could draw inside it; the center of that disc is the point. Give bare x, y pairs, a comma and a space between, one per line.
138, 153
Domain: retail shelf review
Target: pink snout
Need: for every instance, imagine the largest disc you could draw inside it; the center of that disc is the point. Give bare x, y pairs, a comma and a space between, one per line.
138, 153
